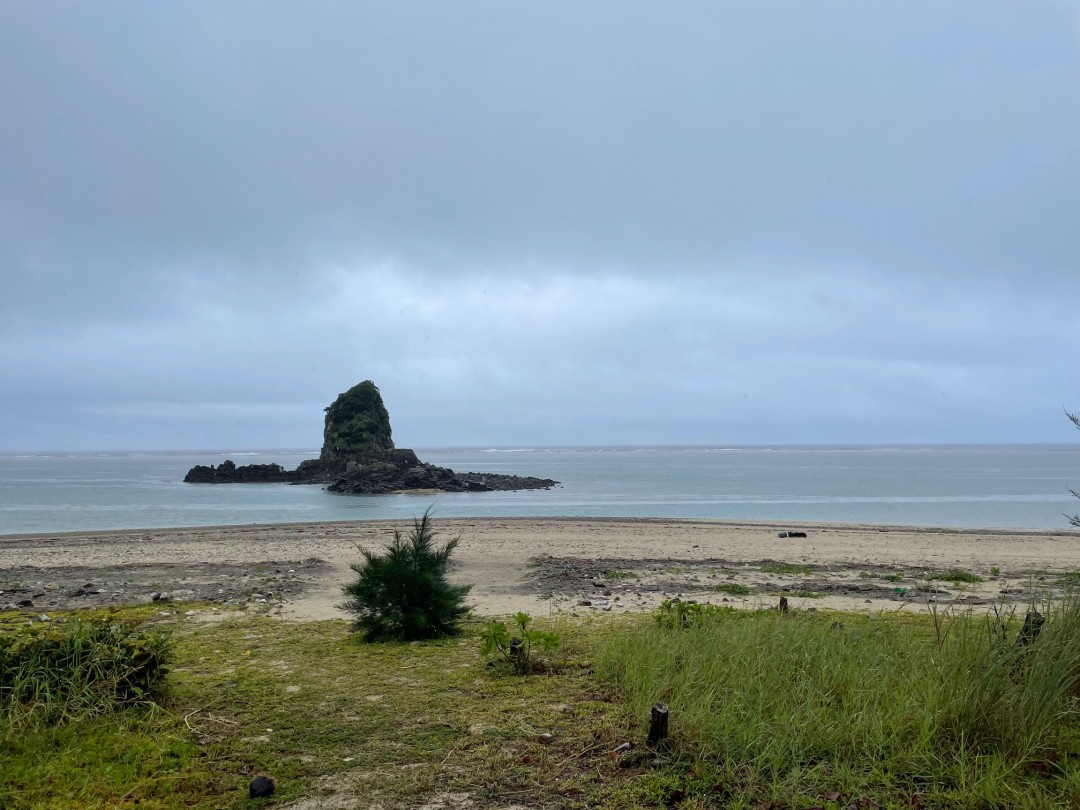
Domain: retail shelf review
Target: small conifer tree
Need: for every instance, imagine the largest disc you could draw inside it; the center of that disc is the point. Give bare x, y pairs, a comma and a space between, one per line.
403, 594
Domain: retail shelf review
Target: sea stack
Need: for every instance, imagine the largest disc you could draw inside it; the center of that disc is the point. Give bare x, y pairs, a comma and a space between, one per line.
358, 457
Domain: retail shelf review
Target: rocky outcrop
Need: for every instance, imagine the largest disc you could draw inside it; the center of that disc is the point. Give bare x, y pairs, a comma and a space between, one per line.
358, 457
228, 473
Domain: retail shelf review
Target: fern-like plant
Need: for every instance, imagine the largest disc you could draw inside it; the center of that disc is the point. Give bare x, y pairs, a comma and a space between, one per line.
403, 594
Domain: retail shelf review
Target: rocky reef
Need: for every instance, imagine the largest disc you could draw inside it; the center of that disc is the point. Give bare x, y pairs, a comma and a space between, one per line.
358, 457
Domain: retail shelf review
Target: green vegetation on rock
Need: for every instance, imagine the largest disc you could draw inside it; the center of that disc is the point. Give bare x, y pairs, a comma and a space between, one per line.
357, 422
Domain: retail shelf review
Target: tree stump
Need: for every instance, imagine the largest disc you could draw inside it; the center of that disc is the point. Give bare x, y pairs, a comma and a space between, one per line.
783, 604
1033, 623
658, 724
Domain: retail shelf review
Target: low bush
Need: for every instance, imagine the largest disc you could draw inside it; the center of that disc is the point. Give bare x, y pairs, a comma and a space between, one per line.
403, 594
82, 668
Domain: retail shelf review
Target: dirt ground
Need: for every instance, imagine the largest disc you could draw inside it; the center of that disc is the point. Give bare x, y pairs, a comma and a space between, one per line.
547, 566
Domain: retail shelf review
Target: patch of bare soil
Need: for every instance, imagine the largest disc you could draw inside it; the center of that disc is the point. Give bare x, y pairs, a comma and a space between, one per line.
623, 584
263, 584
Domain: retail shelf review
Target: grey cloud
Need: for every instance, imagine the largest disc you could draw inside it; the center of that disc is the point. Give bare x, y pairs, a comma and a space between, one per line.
525, 218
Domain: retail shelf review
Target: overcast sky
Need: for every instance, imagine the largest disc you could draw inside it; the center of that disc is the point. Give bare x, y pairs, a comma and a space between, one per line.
539, 223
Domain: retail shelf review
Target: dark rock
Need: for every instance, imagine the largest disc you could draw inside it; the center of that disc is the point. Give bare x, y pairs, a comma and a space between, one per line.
25, 603
358, 457
261, 787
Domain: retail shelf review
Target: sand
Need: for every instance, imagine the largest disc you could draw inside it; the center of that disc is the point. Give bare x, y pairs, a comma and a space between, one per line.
546, 566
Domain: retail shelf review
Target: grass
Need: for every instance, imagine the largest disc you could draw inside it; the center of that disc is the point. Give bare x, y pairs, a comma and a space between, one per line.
954, 576
790, 710
618, 575
786, 568
59, 672
389, 724
734, 589
766, 710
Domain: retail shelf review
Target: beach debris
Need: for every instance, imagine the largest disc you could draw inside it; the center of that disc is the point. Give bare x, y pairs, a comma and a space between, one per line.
658, 724
261, 787
44, 617
621, 749
791, 534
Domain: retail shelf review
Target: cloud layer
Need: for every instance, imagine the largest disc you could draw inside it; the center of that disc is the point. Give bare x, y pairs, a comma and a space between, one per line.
570, 224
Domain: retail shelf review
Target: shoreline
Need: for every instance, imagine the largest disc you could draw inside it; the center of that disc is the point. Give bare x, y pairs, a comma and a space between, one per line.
779, 525
547, 566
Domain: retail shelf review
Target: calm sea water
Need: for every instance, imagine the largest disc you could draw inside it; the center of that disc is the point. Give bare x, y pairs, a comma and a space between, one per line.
985, 486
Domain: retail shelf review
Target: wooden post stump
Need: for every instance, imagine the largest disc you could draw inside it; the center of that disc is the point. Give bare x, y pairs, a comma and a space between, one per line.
783, 604
658, 724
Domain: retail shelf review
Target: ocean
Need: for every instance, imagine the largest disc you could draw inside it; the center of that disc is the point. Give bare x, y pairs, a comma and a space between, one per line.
1007, 486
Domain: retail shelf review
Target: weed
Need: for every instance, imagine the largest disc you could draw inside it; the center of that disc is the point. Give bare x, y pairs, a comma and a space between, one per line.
674, 614
734, 589
618, 575
517, 649
786, 568
955, 575
995, 571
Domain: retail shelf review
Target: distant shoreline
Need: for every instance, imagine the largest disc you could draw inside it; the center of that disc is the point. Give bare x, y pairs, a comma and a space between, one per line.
777, 524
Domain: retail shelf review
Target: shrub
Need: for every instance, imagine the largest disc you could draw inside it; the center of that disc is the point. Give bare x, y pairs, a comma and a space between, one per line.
517, 649
82, 668
404, 594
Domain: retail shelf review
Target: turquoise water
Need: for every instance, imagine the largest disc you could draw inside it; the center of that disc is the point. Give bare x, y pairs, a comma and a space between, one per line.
987, 486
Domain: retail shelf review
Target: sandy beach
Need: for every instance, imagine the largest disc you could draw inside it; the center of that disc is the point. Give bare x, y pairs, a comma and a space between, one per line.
545, 566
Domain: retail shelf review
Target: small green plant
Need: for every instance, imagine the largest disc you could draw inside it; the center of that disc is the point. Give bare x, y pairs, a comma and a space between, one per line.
786, 568
517, 648
618, 575
954, 575
995, 571
734, 589
404, 594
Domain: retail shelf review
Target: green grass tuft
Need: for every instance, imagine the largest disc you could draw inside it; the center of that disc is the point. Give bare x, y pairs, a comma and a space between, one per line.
619, 575
954, 575
786, 568
734, 589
